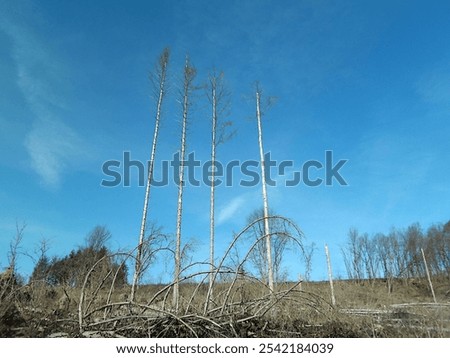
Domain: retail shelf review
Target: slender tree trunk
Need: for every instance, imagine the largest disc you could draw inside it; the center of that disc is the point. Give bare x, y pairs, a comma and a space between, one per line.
330, 276
161, 75
217, 96
264, 193
213, 174
189, 74
428, 275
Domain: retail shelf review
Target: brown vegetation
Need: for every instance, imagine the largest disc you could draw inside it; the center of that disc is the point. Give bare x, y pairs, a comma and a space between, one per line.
242, 307
86, 294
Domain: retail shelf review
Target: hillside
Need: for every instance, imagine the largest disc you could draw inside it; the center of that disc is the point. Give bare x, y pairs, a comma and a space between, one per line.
240, 308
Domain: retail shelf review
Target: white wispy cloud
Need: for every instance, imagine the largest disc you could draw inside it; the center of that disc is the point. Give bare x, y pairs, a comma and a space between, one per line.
230, 209
51, 143
239, 206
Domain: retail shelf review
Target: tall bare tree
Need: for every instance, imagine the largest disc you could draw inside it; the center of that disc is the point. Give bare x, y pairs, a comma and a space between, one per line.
264, 190
188, 78
218, 97
159, 81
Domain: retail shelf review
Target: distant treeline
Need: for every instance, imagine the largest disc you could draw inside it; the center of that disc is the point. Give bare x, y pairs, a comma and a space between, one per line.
398, 254
391, 256
71, 270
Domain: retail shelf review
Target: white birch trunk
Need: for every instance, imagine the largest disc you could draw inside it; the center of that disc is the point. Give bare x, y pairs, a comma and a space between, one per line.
264, 194
428, 275
213, 164
162, 70
330, 276
189, 74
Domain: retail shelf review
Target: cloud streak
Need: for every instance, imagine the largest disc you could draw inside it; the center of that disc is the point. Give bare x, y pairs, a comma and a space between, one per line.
51, 143
230, 209
240, 206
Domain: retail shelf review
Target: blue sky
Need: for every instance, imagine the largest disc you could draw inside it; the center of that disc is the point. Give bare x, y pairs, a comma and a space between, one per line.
368, 80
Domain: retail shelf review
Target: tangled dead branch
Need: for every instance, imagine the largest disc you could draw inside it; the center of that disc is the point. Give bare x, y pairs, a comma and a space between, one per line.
238, 301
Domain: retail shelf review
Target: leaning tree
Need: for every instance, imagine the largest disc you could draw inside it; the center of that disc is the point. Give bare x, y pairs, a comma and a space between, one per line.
159, 81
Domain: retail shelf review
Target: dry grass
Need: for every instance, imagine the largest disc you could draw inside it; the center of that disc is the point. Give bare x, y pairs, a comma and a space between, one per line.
236, 305
241, 308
